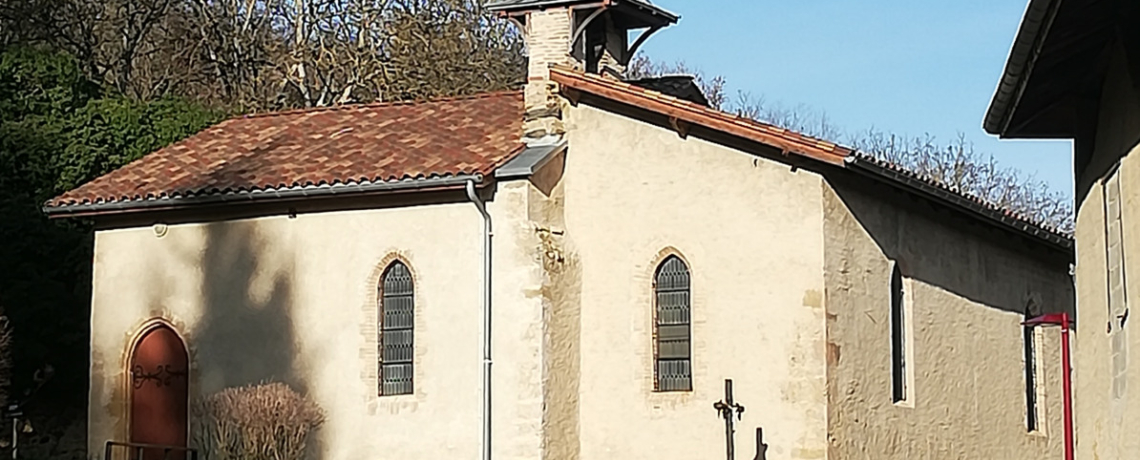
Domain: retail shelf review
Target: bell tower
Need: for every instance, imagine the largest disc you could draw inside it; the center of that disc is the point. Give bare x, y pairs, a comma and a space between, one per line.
594, 36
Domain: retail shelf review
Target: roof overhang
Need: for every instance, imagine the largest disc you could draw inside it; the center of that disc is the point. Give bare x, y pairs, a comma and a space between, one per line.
632, 14
1054, 69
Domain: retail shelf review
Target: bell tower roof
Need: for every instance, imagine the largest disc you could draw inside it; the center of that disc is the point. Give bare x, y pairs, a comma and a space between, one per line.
632, 14
591, 36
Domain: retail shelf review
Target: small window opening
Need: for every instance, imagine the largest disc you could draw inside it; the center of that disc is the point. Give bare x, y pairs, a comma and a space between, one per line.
1029, 342
898, 337
1117, 286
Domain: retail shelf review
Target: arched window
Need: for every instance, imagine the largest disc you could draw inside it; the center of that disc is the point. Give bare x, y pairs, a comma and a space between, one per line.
672, 327
397, 321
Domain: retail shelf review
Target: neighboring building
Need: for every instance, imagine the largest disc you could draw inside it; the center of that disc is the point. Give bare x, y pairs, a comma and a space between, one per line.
1074, 73
646, 248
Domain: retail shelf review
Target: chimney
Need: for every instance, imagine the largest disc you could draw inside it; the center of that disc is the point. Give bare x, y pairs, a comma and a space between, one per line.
591, 36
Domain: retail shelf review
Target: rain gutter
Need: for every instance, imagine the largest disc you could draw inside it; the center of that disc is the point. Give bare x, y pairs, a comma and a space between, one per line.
258, 196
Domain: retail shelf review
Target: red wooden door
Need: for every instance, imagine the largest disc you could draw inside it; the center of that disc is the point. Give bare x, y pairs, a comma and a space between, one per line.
159, 397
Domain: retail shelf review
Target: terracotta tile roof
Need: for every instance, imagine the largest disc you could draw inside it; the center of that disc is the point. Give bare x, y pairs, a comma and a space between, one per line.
689, 112
355, 144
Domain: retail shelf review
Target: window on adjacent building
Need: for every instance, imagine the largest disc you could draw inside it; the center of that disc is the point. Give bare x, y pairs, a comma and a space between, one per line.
898, 336
1029, 342
397, 321
672, 326
1117, 289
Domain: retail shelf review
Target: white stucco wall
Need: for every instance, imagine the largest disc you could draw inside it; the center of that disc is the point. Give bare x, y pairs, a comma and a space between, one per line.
1106, 425
294, 300
965, 288
750, 230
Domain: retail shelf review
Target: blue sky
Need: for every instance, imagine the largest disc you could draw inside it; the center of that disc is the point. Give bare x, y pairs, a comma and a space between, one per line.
902, 66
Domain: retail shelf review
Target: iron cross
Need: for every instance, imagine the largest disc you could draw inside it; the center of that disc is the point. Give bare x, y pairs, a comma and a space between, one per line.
726, 408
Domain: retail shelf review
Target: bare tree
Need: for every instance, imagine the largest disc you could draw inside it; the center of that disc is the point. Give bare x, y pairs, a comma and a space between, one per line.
112, 39
228, 48
126, 27
714, 88
267, 54
800, 118
451, 47
331, 50
64, 24
959, 166
340, 51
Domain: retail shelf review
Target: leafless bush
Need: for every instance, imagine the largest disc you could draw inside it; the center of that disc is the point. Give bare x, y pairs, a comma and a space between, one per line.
258, 422
959, 166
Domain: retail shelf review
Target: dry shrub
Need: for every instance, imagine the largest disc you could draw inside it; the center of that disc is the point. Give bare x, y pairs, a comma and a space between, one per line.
269, 421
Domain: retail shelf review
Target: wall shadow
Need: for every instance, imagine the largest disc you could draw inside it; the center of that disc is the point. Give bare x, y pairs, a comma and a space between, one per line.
238, 320
245, 334
239, 326
945, 248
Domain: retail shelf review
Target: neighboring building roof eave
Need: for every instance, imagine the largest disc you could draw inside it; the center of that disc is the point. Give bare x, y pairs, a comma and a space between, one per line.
233, 197
1039, 15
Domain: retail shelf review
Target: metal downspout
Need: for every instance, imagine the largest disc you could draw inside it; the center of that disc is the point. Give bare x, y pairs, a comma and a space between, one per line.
479, 204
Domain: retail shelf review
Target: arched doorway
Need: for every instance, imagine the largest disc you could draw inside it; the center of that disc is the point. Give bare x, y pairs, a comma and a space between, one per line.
159, 390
